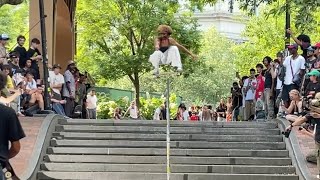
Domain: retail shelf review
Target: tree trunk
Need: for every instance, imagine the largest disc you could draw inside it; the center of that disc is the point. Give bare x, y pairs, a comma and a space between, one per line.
136, 84
12, 2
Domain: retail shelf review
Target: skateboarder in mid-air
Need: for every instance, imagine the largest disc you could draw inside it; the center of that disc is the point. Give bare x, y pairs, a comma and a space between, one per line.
167, 50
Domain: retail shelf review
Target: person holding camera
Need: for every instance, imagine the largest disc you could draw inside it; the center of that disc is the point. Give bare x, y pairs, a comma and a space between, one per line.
249, 88
312, 118
236, 100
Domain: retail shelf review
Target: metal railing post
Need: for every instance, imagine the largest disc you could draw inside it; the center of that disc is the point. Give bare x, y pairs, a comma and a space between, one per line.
168, 129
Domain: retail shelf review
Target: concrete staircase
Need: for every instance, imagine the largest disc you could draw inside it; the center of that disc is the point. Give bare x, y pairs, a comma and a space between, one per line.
136, 150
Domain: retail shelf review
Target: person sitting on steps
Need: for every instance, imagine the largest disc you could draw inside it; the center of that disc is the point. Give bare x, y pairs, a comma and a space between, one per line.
167, 50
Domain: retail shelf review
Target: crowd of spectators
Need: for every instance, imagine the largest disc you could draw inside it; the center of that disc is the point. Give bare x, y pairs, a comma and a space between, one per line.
24, 90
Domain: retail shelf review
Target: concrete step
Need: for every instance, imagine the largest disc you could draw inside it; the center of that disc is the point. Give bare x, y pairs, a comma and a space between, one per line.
173, 137
162, 130
161, 168
174, 144
162, 160
268, 125
173, 152
160, 176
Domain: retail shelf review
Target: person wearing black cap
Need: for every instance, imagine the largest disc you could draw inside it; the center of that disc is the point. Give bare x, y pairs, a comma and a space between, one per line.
69, 88
21, 50
14, 63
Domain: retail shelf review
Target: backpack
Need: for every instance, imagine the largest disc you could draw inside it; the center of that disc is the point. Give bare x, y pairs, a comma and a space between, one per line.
281, 72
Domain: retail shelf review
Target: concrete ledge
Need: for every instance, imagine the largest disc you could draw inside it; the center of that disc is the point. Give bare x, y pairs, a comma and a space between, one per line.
295, 152
41, 144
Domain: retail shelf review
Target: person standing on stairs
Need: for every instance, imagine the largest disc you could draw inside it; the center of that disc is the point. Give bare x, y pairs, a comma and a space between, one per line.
167, 50
92, 104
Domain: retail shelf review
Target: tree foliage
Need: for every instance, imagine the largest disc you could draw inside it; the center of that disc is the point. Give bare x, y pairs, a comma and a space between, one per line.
14, 21
265, 37
116, 36
12, 2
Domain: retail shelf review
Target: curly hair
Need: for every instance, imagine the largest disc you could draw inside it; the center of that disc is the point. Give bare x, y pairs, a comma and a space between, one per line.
165, 28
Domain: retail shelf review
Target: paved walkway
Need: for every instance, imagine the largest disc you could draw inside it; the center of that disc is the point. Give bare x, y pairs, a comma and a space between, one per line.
31, 128
307, 146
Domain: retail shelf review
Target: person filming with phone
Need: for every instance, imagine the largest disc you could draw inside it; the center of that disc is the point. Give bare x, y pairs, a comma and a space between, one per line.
312, 118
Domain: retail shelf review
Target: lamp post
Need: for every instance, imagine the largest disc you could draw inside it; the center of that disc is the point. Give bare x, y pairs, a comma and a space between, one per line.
287, 35
44, 54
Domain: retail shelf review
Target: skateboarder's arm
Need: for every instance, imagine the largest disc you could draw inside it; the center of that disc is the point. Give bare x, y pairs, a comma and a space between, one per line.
156, 44
181, 47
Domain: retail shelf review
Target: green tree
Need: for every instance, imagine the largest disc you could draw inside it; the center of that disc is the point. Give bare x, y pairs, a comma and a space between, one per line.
12, 2
14, 21
210, 81
265, 37
116, 36
213, 79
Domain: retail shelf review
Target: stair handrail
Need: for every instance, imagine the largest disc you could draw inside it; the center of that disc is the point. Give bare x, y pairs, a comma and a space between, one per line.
40, 147
294, 147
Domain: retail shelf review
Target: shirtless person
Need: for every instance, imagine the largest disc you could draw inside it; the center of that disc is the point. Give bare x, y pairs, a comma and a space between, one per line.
167, 50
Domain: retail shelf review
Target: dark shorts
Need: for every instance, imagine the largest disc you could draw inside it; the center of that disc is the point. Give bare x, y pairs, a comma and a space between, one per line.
285, 91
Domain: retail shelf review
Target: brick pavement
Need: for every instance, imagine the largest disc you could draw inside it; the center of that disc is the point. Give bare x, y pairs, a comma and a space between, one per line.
31, 128
307, 145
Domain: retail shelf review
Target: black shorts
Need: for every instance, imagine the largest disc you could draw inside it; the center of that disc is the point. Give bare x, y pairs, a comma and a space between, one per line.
285, 91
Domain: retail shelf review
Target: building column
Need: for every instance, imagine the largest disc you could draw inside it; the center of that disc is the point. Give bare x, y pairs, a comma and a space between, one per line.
59, 29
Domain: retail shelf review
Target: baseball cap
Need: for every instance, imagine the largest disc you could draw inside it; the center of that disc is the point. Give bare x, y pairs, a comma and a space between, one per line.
4, 37
56, 66
71, 62
293, 46
13, 54
314, 73
317, 45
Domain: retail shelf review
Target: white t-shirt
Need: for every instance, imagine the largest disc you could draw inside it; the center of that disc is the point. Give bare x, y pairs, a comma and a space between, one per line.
279, 82
55, 80
156, 115
31, 85
251, 92
297, 65
92, 102
185, 115
133, 112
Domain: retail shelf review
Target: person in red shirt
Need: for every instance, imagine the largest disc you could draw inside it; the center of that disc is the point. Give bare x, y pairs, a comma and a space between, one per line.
194, 117
260, 82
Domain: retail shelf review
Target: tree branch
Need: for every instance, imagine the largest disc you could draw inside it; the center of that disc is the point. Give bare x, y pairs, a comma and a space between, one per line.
11, 2
131, 78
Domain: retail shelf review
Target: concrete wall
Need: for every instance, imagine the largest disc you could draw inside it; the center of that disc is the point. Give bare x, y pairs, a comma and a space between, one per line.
59, 30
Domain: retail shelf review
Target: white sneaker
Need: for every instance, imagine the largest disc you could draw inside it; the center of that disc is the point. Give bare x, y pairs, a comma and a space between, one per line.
179, 69
318, 176
156, 72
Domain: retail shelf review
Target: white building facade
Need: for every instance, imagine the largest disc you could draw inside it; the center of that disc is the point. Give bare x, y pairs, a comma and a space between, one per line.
225, 17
